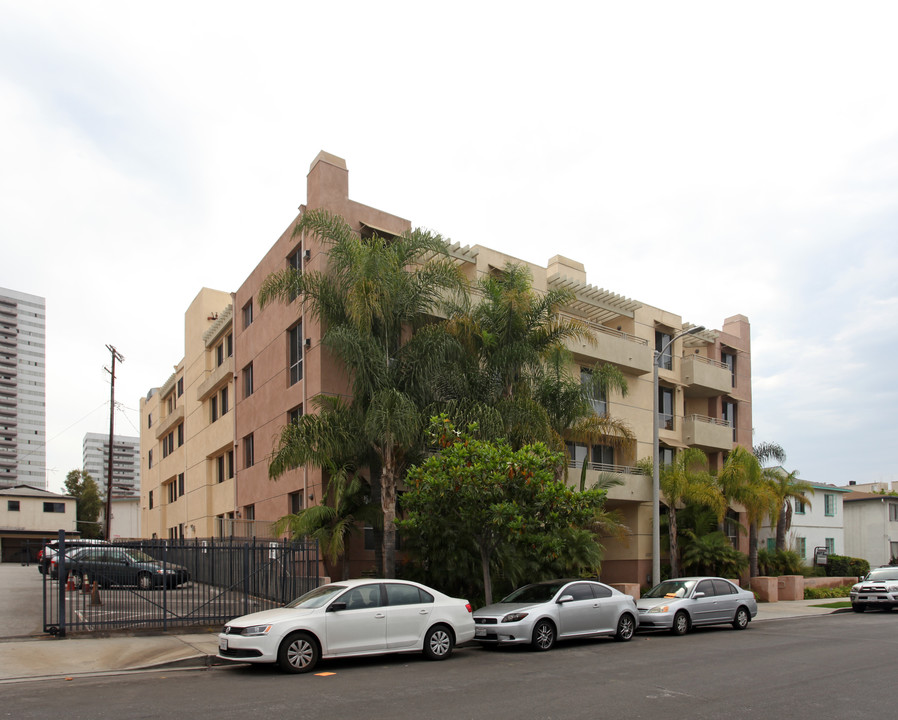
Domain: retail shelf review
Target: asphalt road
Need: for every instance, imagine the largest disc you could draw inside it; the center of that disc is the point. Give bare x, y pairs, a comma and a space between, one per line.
834, 666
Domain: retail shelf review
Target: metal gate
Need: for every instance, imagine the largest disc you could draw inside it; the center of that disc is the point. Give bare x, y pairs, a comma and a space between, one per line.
173, 583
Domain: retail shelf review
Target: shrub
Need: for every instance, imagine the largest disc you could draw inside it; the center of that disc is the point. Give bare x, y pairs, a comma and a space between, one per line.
780, 562
811, 593
842, 565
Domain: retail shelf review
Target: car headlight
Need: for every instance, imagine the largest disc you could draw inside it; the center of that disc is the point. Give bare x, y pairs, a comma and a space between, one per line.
256, 630
855, 588
660, 609
514, 617
892, 588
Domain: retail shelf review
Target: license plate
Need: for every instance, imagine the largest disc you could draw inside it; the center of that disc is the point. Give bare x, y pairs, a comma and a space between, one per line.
222, 644
479, 632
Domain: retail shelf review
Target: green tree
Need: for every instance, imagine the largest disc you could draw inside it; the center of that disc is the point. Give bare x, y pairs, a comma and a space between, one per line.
493, 500
786, 487
81, 486
373, 301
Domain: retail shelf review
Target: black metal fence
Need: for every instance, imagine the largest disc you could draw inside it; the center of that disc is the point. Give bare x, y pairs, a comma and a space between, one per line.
174, 583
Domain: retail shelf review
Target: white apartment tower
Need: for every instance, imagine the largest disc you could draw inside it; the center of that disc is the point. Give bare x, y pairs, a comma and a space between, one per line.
125, 463
23, 389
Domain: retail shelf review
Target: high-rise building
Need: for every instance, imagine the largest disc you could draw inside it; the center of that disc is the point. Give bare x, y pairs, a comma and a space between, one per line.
23, 389
125, 463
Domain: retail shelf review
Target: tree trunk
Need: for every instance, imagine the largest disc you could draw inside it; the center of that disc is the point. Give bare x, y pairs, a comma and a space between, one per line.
753, 549
781, 530
388, 506
487, 581
674, 545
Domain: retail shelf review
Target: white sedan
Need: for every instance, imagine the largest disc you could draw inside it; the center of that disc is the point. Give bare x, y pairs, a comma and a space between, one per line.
353, 617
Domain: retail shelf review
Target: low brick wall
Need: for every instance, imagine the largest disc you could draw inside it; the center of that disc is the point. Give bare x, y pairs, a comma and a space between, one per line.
631, 589
766, 588
829, 582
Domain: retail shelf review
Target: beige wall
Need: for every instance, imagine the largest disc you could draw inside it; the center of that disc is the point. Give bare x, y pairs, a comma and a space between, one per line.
31, 515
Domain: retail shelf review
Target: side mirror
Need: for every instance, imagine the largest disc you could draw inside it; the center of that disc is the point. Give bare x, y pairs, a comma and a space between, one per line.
564, 599
336, 606
698, 595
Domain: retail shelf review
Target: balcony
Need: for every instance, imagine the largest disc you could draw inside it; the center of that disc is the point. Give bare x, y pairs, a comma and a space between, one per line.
636, 486
707, 433
705, 377
628, 352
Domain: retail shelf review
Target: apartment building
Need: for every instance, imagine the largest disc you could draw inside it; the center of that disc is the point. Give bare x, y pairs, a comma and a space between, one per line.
125, 462
23, 390
187, 430
278, 368
871, 524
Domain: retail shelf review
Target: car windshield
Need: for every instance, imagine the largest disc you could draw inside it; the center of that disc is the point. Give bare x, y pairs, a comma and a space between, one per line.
317, 597
671, 589
538, 593
883, 574
139, 556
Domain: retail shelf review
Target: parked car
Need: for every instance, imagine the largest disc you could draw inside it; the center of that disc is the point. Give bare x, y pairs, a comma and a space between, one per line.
111, 565
353, 617
541, 613
680, 604
879, 589
48, 556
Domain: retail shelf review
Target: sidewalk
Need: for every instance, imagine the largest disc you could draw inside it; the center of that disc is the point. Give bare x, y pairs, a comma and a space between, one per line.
24, 659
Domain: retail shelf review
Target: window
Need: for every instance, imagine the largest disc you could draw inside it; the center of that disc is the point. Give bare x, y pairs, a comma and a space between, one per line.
369, 537
54, 507
168, 444
224, 401
12, 505
149, 420
248, 380
230, 463
295, 350
295, 502
406, 595
801, 546
249, 458
249, 512
830, 546
180, 484
579, 591
213, 408
799, 506
603, 454
665, 408
229, 344
596, 395
172, 491
665, 455
665, 359
771, 545
248, 314
151, 499
707, 587
180, 387
294, 415
170, 404
893, 512
219, 354
180, 434
149, 458
294, 261
729, 359
224, 466
829, 504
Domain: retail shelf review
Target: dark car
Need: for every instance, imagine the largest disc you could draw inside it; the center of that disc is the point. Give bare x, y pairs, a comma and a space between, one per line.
124, 566
48, 558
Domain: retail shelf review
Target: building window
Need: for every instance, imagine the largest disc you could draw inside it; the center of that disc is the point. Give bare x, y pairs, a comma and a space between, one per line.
180, 484
180, 387
180, 434
665, 359
219, 354
597, 398
294, 261
799, 506
603, 454
54, 507
149, 420
12, 505
771, 545
229, 345
893, 512
829, 504
172, 491
830, 546
230, 463
170, 404
729, 359
248, 314
224, 466
151, 499
369, 537
801, 546
248, 380
249, 512
150, 458
224, 401
295, 502
665, 408
249, 455
894, 550
665, 455
294, 415
213, 408
295, 341
729, 415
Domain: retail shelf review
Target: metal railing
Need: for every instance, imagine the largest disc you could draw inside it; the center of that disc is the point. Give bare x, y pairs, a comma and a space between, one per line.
709, 420
606, 330
709, 361
174, 583
606, 467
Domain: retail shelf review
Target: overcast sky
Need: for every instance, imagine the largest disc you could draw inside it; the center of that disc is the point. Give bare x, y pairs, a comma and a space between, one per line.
707, 158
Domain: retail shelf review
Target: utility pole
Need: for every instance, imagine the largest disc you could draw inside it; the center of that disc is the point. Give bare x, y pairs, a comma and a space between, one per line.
116, 355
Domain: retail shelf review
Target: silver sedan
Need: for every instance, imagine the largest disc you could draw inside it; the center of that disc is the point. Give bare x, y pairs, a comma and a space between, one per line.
540, 613
683, 603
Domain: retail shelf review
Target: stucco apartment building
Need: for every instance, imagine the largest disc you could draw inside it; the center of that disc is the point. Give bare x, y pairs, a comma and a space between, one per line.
187, 430
279, 367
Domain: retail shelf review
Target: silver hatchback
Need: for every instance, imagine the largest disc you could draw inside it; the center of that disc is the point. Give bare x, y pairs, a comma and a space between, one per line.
541, 613
683, 603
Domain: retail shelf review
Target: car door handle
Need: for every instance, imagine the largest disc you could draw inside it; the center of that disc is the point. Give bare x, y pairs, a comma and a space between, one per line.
379, 616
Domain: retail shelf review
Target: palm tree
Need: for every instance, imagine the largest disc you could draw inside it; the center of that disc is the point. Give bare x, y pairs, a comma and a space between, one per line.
787, 487
373, 301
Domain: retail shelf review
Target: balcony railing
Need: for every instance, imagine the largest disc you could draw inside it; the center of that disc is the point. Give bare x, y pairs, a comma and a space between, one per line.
607, 330
706, 419
709, 361
605, 467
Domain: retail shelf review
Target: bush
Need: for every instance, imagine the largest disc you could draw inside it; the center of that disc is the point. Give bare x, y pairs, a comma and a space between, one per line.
812, 593
780, 562
844, 566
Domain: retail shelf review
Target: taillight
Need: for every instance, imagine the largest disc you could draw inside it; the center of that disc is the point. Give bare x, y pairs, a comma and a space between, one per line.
40, 555
468, 607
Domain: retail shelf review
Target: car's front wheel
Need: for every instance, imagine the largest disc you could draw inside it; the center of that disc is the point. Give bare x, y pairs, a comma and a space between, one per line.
858, 607
438, 643
626, 626
543, 636
740, 622
298, 653
145, 581
680, 624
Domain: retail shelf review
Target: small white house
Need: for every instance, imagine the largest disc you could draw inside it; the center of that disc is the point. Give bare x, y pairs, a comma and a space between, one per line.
30, 516
818, 523
871, 527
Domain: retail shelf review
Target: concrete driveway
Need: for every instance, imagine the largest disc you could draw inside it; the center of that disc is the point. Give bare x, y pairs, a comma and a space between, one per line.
21, 600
